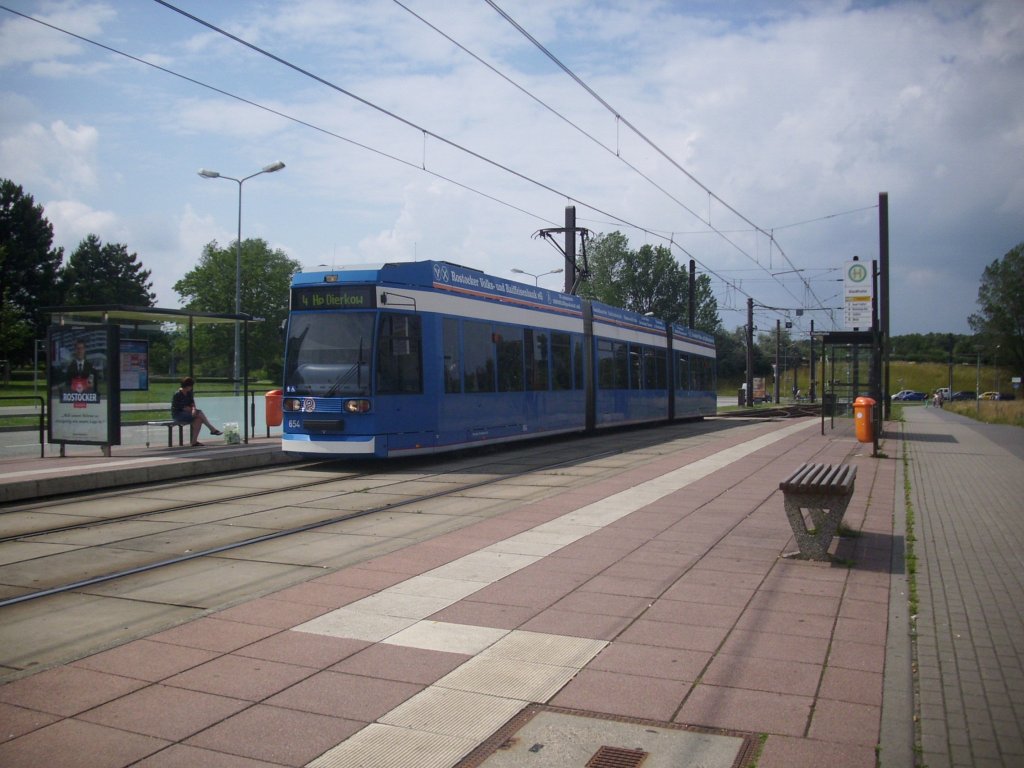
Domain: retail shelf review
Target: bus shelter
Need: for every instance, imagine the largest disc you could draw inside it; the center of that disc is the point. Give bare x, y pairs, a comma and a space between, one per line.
93, 357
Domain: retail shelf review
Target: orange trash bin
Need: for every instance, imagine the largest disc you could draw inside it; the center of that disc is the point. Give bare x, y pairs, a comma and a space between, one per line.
273, 405
863, 418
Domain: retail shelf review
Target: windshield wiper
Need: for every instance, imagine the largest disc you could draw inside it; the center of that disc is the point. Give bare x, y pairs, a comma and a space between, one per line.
357, 371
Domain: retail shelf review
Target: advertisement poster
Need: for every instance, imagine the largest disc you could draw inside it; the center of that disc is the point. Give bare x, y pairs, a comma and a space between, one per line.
84, 388
134, 365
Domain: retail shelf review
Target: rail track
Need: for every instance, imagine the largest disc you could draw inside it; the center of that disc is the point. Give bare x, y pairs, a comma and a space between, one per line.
378, 481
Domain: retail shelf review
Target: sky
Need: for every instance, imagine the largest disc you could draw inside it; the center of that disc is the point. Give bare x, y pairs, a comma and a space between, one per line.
753, 137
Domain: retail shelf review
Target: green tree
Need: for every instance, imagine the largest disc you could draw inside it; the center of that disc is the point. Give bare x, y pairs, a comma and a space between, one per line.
646, 280
30, 264
15, 332
1000, 319
100, 274
210, 287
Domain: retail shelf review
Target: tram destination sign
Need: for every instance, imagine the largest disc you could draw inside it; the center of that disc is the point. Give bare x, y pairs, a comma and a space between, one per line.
333, 296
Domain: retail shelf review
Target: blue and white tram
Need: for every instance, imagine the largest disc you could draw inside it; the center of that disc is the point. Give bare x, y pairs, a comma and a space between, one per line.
421, 357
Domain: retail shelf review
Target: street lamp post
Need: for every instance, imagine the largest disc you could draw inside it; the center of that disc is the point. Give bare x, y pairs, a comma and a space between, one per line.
207, 174
537, 277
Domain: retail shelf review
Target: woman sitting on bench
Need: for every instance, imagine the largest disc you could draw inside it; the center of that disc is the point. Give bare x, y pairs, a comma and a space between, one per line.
184, 411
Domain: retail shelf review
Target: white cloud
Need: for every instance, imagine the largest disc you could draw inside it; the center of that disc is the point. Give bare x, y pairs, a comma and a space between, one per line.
73, 220
25, 41
59, 157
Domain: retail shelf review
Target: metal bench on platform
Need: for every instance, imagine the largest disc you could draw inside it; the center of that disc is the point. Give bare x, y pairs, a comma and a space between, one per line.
824, 491
170, 424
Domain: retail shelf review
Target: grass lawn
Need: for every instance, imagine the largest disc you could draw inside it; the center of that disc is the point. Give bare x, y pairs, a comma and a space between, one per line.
20, 394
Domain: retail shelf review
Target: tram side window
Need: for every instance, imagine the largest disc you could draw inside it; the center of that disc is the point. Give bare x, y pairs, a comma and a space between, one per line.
605, 364
636, 366
399, 355
509, 340
612, 364
703, 374
536, 360
478, 357
577, 362
452, 358
683, 371
561, 361
654, 368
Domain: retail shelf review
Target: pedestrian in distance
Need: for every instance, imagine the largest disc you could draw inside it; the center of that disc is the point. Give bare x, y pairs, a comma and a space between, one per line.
184, 411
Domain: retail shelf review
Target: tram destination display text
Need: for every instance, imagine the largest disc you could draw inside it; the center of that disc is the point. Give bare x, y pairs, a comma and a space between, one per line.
323, 297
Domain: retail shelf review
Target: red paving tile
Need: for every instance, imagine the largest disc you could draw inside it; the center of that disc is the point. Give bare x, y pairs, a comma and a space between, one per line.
865, 610
575, 624
596, 602
266, 612
214, 634
619, 694
183, 756
869, 657
76, 744
408, 665
146, 660
785, 623
281, 736
845, 722
240, 677
303, 649
164, 712
679, 612
770, 600
67, 690
651, 661
861, 631
339, 694
664, 634
772, 645
618, 585
17, 721
359, 578
744, 710
478, 614
787, 752
851, 685
763, 674
705, 593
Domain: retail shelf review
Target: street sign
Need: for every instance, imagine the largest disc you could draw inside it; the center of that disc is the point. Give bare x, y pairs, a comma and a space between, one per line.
857, 295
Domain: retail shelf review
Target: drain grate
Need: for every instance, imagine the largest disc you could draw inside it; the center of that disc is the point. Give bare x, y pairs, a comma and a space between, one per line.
616, 757
554, 737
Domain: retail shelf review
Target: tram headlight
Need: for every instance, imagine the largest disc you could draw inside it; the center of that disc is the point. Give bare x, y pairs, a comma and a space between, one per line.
357, 406
293, 404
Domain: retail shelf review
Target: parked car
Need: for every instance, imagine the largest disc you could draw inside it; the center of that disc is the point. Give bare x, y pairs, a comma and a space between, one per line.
988, 396
965, 395
909, 394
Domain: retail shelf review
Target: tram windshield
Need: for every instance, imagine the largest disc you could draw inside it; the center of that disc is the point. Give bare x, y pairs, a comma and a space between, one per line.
329, 354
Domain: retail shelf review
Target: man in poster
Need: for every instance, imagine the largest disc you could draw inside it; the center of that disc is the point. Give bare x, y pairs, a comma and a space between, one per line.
80, 378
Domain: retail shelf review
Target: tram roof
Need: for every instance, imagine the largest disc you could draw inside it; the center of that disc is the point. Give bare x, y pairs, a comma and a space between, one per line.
445, 274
